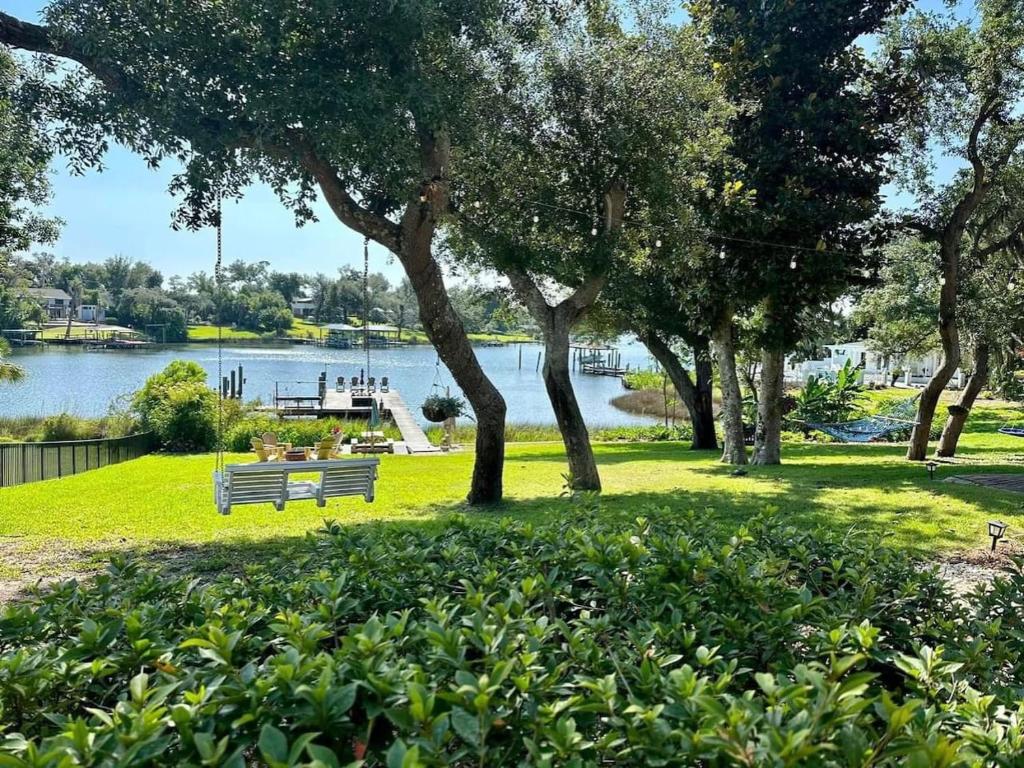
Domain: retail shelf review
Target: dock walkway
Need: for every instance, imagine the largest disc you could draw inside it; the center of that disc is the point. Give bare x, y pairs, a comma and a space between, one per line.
413, 437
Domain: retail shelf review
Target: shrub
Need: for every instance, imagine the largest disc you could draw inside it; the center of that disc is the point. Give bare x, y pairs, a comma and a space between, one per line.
645, 433
239, 436
179, 407
651, 643
64, 426
644, 380
824, 401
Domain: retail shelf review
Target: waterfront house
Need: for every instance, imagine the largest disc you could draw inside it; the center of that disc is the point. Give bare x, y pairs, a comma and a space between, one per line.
56, 302
303, 308
874, 367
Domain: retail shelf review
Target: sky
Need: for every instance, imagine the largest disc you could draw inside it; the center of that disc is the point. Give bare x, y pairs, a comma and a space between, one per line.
126, 209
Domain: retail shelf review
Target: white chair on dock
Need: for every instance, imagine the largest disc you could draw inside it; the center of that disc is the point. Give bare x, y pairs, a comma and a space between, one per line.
384, 385
268, 482
340, 385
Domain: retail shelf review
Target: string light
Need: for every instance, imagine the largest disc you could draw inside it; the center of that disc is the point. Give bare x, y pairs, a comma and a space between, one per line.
594, 231
942, 280
657, 243
476, 204
792, 263
721, 254
536, 219
1011, 286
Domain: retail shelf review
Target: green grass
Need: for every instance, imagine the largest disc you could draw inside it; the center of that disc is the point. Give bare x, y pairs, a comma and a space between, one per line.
301, 329
209, 333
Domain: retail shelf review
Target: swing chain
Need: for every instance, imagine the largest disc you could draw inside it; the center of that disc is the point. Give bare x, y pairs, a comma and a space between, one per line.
219, 282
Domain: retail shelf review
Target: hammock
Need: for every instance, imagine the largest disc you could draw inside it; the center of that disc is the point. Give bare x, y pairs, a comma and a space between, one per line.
872, 427
1012, 431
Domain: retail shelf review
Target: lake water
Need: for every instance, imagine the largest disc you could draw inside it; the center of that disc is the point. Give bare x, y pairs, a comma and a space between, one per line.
85, 383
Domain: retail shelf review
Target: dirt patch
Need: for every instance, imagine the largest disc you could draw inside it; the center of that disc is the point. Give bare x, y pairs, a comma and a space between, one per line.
967, 570
24, 565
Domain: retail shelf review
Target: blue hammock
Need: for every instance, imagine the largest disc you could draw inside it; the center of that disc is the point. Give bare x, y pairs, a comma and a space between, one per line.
1012, 431
871, 428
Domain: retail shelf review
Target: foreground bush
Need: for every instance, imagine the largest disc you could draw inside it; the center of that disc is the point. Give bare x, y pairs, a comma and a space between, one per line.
651, 643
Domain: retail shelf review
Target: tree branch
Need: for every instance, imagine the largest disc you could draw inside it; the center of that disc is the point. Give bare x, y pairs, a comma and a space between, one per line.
36, 38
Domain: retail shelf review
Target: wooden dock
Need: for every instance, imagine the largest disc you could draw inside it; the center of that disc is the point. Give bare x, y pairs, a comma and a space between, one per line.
390, 404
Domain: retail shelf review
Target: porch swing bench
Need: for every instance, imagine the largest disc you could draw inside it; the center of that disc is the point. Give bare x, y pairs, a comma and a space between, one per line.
269, 482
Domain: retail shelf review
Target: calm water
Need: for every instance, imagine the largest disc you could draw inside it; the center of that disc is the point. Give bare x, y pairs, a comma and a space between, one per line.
84, 383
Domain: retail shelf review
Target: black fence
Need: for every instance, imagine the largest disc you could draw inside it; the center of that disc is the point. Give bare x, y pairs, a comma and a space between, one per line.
29, 462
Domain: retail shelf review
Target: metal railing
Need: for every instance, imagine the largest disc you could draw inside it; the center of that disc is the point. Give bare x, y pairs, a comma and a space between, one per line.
22, 463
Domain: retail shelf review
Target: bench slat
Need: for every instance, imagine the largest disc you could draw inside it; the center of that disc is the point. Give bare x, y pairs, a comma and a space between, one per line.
267, 482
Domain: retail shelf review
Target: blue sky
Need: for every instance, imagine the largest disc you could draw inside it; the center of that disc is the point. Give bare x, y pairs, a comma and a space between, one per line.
126, 209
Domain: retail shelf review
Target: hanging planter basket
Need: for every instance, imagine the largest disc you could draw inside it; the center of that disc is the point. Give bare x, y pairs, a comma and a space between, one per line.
438, 408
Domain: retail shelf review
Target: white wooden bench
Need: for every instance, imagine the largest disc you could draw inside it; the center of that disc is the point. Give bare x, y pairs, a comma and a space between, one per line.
268, 482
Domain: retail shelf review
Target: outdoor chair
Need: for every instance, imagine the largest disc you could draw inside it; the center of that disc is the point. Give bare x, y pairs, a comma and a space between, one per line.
340, 386
262, 452
355, 383
325, 448
270, 441
371, 385
384, 386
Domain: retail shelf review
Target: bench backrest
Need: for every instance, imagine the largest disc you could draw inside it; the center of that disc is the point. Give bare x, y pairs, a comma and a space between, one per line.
262, 482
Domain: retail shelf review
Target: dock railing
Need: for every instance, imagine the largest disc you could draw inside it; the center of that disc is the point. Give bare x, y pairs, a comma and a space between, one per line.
22, 463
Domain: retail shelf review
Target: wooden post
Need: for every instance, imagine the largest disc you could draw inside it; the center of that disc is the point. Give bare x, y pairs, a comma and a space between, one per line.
224, 387
241, 380
538, 361
520, 357
234, 385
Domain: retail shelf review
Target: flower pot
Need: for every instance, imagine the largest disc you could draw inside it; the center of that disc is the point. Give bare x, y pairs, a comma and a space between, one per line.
434, 414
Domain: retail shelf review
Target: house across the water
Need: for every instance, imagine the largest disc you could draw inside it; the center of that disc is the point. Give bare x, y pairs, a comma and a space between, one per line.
873, 367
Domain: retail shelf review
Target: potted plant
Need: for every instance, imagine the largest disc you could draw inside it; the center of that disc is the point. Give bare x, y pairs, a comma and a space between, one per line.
438, 408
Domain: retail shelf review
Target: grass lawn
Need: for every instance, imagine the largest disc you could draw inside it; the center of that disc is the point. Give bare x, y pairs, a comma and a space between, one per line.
162, 504
209, 333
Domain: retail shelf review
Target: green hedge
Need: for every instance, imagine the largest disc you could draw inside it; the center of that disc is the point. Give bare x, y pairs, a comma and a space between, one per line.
584, 643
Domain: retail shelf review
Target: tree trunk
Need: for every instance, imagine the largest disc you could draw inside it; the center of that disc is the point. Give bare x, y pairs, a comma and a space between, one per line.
575, 436
950, 337
556, 322
958, 414
768, 435
696, 397
734, 449
704, 437
444, 328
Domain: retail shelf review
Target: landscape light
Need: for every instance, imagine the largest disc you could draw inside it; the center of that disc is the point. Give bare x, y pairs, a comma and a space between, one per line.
931, 466
996, 529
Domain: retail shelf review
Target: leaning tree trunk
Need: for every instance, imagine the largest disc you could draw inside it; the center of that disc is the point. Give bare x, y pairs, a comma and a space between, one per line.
768, 435
444, 328
412, 241
575, 437
734, 450
697, 401
958, 413
950, 337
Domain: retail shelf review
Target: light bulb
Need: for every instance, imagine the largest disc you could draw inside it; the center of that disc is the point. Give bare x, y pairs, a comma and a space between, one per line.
1011, 286
792, 264
476, 204
536, 219
594, 231
423, 198
942, 281
657, 243
721, 253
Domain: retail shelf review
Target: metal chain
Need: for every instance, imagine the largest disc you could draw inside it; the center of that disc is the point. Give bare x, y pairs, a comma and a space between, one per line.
218, 280
366, 303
